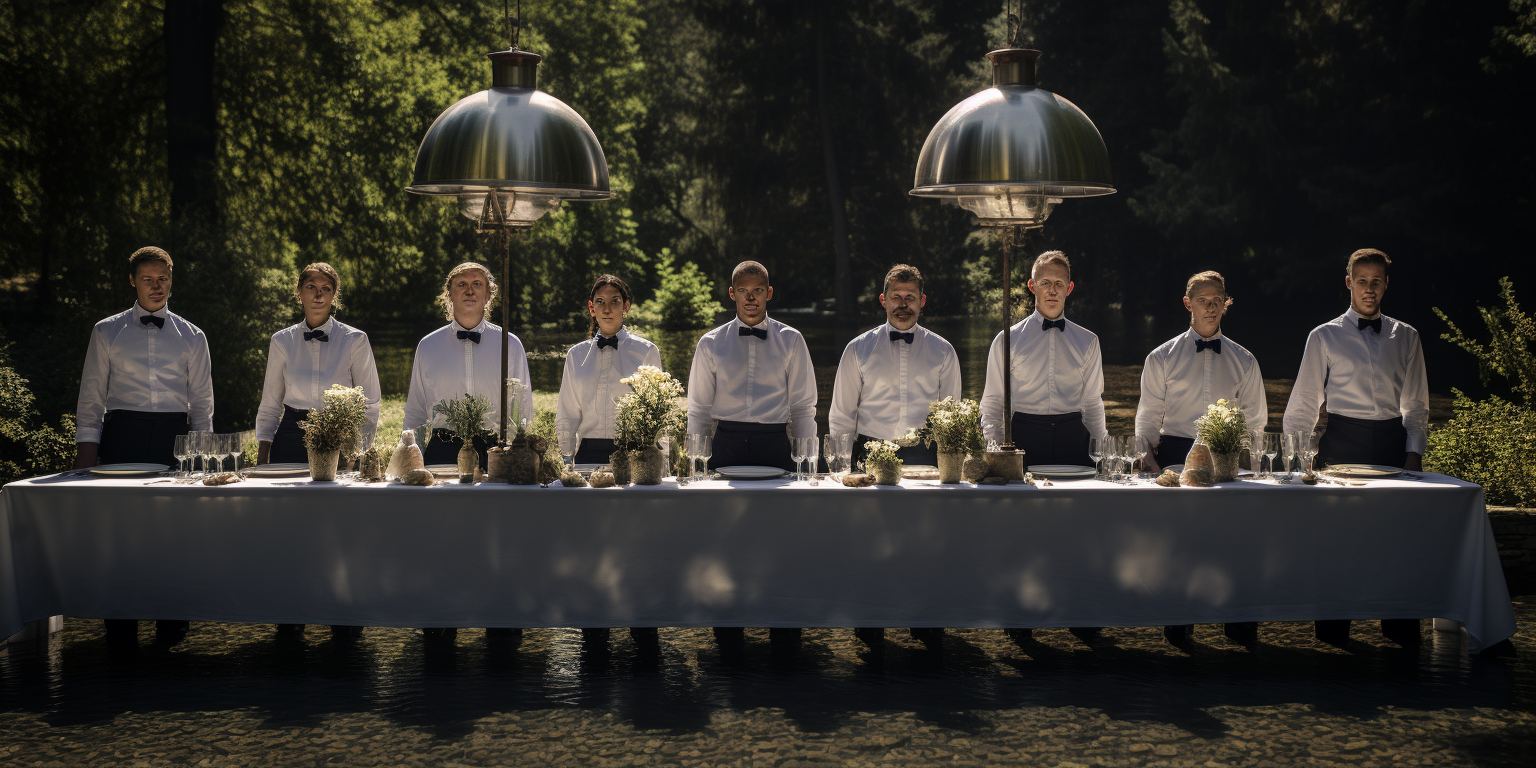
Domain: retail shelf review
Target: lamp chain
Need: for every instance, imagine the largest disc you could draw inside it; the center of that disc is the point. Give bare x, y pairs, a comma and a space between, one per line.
514, 28
1015, 11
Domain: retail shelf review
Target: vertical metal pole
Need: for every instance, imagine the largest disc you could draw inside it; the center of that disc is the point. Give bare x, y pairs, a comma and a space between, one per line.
506, 321
1007, 339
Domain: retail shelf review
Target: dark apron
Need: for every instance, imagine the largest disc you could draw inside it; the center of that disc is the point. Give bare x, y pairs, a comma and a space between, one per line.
1363, 441
595, 450
1051, 439
288, 440
910, 455
1172, 449
140, 437
444, 448
745, 443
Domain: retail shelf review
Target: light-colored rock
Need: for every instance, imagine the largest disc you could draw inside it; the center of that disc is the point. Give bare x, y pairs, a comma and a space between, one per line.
1199, 457
419, 476
1197, 477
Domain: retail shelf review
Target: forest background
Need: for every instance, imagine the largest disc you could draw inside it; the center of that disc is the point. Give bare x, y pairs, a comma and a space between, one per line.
1264, 139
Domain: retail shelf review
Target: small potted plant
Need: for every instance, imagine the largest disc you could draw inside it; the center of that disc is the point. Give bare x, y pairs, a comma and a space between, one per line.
882, 461
653, 410
466, 420
955, 426
333, 427
1224, 430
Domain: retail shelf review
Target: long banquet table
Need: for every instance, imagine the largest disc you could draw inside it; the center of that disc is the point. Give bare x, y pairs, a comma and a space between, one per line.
750, 553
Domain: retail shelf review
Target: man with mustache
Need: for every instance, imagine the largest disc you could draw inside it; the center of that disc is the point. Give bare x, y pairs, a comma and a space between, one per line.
1369, 371
147, 379
889, 375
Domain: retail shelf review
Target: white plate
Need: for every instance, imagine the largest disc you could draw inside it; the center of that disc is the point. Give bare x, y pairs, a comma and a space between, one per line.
746, 472
278, 470
920, 472
443, 469
1363, 470
1065, 471
127, 470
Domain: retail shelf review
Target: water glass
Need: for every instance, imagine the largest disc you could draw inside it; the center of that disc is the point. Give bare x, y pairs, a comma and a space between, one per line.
1098, 448
703, 448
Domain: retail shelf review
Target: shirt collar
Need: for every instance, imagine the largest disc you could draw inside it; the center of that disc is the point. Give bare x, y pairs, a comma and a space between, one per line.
162, 312
886, 329
325, 327
1190, 332
763, 325
623, 333
1036, 318
480, 327
1352, 318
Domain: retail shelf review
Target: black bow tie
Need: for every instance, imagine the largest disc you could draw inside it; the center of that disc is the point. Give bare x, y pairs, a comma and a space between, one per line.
761, 333
1374, 325
1059, 324
1213, 345
160, 321
316, 334
605, 341
907, 337
471, 335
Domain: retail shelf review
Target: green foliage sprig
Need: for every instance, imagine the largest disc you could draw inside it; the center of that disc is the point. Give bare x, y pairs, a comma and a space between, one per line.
1508, 352
955, 425
465, 415
1223, 429
655, 407
336, 424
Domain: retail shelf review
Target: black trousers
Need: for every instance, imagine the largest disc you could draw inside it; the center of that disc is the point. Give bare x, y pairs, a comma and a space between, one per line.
595, 450
444, 448
288, 441
1172, 449
1051, 439
745, 443
911, 455
140, 437
1363, 441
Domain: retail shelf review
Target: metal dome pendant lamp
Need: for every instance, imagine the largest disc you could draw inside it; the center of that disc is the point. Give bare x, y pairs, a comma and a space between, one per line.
1010, 154
509, 155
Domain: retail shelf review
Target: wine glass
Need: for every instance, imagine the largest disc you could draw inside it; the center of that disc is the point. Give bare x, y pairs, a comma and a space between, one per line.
797, 452
1309, 442
228, 447
1271, 449
1288, 452
1124, 447
198, 443
829, 448
179, 450
706, 449
810, 451
1139, 456
565, 434
1096, 451
1300, 442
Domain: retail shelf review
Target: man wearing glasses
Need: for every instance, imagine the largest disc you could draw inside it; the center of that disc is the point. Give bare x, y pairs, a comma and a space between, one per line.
1369, 370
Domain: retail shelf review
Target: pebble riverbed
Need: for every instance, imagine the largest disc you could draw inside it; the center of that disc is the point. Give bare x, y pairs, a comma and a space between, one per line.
233, 694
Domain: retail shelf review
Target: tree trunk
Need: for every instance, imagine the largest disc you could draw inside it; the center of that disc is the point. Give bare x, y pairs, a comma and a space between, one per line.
191, 34
835, 198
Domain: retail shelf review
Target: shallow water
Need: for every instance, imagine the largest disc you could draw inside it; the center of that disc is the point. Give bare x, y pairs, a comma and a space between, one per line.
234, 695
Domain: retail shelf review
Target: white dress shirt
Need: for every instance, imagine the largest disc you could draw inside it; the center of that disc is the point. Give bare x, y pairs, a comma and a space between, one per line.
1363, 374
884, 385
744, 378
447, 367
133, 366
299, 372
590, 386
1177, 383
1054, 372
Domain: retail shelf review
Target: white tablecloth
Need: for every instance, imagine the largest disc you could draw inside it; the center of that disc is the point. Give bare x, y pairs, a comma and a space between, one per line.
762, 554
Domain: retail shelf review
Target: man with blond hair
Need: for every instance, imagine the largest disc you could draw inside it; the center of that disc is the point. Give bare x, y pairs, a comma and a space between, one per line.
1057, 375
464, 358
1193, 370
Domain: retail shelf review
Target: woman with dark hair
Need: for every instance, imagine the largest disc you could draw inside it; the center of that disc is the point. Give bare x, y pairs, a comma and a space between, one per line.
590, 385
305, 359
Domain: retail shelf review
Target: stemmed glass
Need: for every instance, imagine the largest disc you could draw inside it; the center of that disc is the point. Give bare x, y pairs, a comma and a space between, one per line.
1125, 447
1288, 451
797, 452
228, 447
1098, 447
179, 450
809, 448
565, 434
1271, 448
1306, 443
201, 442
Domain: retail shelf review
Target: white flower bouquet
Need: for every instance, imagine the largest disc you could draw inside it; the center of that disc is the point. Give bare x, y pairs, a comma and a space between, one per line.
1223, 429
654, 408
955, 425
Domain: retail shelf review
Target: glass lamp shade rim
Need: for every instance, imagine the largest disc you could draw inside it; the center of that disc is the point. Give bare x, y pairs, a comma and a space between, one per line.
1063, 189
484, 186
